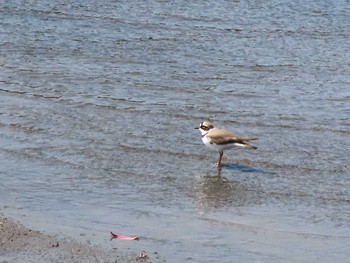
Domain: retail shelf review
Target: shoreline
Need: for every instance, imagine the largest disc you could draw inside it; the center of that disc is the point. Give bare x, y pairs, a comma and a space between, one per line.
19, 243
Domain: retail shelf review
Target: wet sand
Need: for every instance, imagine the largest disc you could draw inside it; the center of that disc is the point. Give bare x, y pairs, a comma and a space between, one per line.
21, 244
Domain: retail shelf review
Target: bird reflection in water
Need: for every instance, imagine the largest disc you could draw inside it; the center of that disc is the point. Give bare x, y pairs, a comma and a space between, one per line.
216, 191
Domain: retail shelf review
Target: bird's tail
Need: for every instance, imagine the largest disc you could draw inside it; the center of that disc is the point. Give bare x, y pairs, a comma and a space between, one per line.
246, 145
248, 138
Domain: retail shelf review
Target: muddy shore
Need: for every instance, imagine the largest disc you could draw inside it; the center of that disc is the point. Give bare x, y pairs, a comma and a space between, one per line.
21, 244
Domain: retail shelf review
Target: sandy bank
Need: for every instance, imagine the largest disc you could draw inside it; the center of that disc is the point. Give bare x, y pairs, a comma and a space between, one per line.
21, 244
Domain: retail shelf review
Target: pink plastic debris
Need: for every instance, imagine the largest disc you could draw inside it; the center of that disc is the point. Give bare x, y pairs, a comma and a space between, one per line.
124, 237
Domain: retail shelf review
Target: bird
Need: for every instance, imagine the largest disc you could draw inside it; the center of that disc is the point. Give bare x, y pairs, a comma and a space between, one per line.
220, 140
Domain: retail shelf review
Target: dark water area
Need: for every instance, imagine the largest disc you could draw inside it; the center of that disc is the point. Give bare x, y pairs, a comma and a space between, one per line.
98, 101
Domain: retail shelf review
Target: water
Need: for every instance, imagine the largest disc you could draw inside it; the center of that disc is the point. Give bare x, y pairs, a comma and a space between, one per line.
98, 101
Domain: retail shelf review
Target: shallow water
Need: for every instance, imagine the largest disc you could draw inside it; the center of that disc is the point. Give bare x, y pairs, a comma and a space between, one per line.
98, 101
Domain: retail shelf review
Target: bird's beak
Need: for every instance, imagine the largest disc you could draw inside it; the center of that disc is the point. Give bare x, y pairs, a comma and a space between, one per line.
196, 127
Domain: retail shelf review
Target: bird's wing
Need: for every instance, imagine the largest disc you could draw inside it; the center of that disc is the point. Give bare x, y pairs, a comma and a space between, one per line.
219, 136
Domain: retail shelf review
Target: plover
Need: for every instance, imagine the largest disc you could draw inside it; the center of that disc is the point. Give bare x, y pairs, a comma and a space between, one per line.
220, 140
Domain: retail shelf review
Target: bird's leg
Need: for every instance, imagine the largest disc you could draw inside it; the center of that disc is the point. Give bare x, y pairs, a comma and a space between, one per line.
220, 157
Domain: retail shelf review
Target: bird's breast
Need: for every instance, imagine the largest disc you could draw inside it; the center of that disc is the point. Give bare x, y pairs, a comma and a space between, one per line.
210, 144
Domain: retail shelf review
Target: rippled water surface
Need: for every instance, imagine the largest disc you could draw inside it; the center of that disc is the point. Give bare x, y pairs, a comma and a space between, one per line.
98, 101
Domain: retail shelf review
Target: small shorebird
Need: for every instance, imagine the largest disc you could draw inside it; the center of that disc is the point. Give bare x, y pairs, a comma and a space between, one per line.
220, 140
